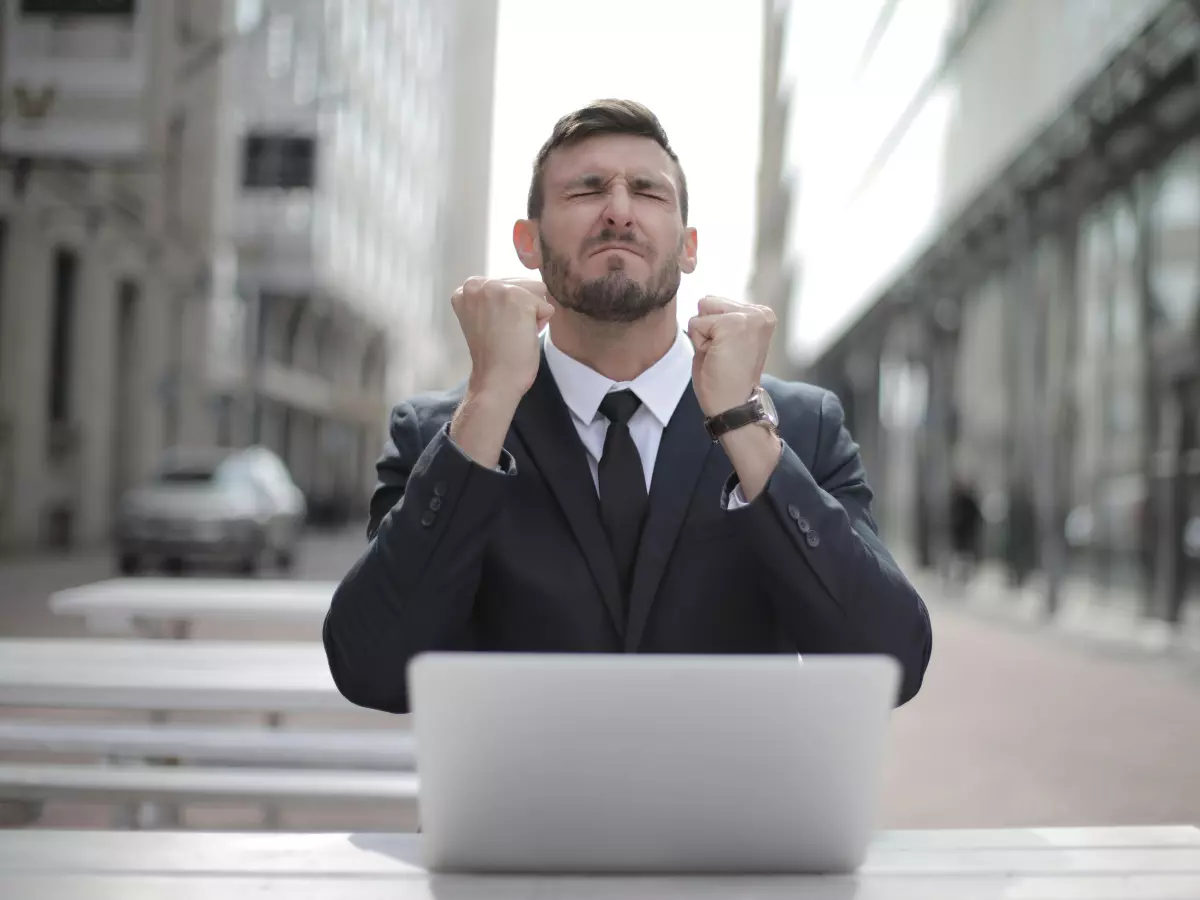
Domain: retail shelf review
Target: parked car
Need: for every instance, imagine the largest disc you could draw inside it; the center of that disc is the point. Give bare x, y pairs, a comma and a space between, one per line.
234, 508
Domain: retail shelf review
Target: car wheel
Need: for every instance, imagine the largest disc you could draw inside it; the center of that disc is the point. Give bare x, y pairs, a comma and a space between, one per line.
129, 564
286, 559
250, 565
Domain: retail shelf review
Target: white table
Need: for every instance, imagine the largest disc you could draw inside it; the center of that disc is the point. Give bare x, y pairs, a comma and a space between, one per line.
168, 675
170, 606
1153, 863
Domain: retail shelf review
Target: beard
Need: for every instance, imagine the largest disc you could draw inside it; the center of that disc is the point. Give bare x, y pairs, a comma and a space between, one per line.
614, 296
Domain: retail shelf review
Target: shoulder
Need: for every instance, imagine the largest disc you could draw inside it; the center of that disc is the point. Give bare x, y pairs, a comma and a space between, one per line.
811, 420
423, 414
798, 398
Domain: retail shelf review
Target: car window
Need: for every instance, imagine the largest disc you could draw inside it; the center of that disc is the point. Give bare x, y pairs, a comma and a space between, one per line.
195, 475
235, 473
277, 474
279, 471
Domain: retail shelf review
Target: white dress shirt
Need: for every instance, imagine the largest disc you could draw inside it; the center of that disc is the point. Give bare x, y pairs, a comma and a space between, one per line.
659, 388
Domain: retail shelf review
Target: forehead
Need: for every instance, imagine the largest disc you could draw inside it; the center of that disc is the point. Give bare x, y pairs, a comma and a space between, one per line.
610, 154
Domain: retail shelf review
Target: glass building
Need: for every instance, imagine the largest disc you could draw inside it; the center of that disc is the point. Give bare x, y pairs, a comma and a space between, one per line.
1001, 278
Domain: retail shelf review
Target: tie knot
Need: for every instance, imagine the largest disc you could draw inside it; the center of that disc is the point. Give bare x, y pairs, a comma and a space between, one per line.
619, 406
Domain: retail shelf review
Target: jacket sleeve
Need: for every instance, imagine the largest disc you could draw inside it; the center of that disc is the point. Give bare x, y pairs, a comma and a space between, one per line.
413, 589
834, 585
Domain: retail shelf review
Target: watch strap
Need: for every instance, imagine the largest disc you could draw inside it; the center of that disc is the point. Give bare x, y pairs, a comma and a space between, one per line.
749, 413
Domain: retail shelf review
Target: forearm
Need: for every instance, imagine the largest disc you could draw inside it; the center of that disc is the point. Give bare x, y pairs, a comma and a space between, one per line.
834, 585
414, 587
481, 423
754, 452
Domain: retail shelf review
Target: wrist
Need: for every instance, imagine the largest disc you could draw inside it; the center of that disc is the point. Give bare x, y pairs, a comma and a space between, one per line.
758, 410
489, 391
755, 452
719, 405
480, 426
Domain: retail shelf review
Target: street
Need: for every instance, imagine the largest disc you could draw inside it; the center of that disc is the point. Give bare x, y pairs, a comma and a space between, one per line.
1015, 726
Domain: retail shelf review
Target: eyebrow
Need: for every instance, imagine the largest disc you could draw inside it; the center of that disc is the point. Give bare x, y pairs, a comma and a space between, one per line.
594, 181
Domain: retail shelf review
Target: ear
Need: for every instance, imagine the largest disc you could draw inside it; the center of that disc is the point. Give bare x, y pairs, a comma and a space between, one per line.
526, 243
687, 252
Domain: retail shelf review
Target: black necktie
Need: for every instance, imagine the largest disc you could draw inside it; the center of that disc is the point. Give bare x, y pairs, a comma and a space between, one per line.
623, 496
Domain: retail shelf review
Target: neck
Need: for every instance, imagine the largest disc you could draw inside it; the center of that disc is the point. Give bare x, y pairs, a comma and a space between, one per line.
620, 351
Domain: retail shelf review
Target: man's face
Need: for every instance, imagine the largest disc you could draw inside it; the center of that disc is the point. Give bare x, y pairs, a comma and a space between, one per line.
611, 243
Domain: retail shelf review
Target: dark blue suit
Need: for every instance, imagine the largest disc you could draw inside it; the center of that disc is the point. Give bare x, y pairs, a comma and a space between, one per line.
465, 557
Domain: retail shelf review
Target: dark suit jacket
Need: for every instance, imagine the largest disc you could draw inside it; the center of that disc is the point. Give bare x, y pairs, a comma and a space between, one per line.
466, 557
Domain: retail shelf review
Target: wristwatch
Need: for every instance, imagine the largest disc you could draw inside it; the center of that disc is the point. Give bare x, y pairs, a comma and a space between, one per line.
758, 410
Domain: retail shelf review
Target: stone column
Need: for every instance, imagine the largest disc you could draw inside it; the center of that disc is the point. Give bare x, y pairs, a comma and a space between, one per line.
93, 390
25, 359
153, 379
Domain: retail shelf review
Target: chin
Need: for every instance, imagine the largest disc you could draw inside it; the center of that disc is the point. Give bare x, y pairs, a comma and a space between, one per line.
613, 262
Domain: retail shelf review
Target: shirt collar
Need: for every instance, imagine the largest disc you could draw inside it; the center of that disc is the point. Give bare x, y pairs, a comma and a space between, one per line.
659, 387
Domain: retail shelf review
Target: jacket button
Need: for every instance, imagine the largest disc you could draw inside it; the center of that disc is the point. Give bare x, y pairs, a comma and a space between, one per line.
803, 525
440, 489
427, 518
793, 512
813, 539
435, 504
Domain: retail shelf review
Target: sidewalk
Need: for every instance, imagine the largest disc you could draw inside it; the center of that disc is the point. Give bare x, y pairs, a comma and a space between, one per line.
1112, 618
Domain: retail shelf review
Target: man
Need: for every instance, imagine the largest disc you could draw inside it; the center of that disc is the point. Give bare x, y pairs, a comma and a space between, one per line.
619, 487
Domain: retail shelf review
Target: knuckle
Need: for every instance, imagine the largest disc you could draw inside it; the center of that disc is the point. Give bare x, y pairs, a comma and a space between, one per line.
474, 286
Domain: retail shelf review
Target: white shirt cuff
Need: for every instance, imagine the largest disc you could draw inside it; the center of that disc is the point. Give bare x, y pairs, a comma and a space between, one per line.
737, 499
504, 467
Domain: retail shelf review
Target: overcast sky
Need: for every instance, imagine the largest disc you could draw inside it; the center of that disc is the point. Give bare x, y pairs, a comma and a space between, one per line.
694, 62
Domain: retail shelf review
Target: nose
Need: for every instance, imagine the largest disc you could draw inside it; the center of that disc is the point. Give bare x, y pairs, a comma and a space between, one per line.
619, 212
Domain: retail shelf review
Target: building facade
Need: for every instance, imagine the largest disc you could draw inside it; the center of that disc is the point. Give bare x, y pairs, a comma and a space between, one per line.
226, 222
360, 143
105, 221
1002, 278
773, 272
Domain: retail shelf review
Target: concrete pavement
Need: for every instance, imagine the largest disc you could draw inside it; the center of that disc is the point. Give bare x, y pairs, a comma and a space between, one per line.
1026, 726
1016, 724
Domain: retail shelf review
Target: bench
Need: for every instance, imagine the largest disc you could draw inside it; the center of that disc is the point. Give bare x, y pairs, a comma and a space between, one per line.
384, 749
158, 677
103, 673
169, 607
129, 785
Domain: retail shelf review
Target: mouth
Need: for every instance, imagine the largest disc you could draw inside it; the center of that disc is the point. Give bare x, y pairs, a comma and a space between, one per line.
608, 248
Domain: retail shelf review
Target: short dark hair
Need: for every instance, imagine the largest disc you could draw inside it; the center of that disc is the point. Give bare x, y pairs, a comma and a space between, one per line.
597, 118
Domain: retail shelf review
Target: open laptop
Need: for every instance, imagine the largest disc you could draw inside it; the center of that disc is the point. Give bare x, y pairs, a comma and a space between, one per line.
649, 763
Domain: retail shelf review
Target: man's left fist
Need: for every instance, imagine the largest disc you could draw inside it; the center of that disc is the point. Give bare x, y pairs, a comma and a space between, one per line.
731, 341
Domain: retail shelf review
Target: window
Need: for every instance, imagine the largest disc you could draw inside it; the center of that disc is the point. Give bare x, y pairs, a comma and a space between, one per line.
65, 278
277, 161
307, 76
3, 261
1091, 361
1175, 242
248, 15
1126, 360
281, 41
125, 8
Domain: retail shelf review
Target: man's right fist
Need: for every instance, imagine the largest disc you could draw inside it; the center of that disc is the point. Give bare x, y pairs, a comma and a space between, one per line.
501, 319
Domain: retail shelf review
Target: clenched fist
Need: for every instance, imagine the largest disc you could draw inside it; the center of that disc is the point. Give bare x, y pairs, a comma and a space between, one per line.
501, 319
731, 341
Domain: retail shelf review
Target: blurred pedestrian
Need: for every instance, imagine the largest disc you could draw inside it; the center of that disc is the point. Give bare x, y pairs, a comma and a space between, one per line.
966, 527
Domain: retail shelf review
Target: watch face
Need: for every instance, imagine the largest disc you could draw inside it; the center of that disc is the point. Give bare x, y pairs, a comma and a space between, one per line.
768, 406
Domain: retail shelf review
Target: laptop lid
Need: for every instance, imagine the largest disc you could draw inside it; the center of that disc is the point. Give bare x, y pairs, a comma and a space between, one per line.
649, 763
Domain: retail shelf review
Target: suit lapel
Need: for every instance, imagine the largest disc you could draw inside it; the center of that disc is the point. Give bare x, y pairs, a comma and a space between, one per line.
548, 433
684, 449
